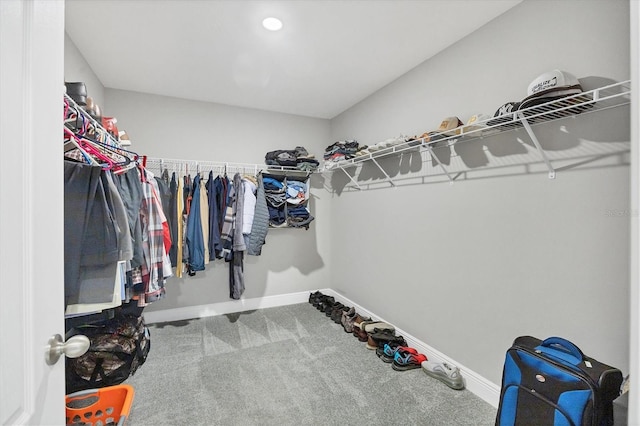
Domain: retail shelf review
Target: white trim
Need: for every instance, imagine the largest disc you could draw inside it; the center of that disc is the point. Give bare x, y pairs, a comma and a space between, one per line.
31, 83
634, 291
474, 382
27, 209
222, 308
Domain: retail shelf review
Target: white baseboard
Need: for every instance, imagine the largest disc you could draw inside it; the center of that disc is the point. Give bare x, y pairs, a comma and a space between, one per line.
222, 308
474, 382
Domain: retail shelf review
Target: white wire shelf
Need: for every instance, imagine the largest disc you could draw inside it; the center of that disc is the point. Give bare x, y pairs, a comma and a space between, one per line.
183, 167
600, 99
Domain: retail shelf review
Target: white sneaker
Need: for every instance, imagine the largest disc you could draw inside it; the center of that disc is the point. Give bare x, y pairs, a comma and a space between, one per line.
447, 374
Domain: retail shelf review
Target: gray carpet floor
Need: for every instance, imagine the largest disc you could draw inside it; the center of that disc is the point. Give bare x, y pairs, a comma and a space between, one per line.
289, 365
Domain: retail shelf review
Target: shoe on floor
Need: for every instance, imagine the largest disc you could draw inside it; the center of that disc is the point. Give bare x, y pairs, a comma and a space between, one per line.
447, 374
316, 298
329, 309
388, 352
404, 360
360, 334
379, 338
336, 310
347, 320
325, 301
359, 319
313, 297
336, 314
370, 326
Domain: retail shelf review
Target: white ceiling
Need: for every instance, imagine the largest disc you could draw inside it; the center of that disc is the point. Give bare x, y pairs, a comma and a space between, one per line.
329, 55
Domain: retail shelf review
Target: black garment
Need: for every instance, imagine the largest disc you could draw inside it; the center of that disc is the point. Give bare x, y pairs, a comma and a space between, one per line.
172, 218
130, 188
90, 237
100, 239
222, 197
187, 195
214, 215
163, 187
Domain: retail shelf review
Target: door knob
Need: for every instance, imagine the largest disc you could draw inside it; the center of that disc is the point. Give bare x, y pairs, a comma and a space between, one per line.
73, 348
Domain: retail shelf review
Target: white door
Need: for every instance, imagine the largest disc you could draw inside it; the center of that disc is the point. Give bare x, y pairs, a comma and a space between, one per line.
31, 210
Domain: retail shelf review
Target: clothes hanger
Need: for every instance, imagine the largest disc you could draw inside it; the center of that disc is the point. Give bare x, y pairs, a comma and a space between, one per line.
85, 153
93, 151
133, 156
108, 150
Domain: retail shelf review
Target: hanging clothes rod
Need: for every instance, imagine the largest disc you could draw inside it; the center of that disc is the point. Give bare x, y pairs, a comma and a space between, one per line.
158, 165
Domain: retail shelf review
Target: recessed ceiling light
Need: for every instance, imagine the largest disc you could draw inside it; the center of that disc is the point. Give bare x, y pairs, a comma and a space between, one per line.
272, 24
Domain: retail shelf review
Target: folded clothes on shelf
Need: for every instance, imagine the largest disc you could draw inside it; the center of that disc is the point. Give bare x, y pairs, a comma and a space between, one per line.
298, 158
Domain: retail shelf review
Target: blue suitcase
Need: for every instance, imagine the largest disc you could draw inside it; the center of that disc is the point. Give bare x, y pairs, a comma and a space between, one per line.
552, 382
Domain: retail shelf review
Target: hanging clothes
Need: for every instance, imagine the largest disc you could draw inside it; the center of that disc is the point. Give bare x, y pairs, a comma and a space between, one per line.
223, 190
204, 218
195, 240
213, 197
250, 185
187, 196
236, 268
157, 266
90, 237
125, 242
162, 185
180, 227
226, 235
95, 225
130, 189
260, 226
238, 214
101, 286
236, 275
172, 217
117, 237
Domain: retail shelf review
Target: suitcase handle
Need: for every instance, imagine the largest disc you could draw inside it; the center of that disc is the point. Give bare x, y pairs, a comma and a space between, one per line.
563, 345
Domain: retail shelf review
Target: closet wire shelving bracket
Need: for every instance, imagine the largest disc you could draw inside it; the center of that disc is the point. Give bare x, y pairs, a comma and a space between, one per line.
599, 99
534, 139
444, 169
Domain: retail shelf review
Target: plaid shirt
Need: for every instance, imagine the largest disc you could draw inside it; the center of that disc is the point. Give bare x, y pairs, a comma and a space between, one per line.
157, 266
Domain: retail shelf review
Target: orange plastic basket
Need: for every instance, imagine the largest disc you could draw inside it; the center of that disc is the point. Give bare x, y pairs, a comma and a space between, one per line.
100, 407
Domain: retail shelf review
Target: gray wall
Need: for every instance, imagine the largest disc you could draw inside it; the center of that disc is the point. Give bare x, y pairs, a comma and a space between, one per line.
292, 260
76, 68
467, 268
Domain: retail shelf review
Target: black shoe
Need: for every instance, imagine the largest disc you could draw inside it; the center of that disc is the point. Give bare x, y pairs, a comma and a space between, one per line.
313, 297
327, 302
336, 314
329, 311
378, 338
320, 301
328, 307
